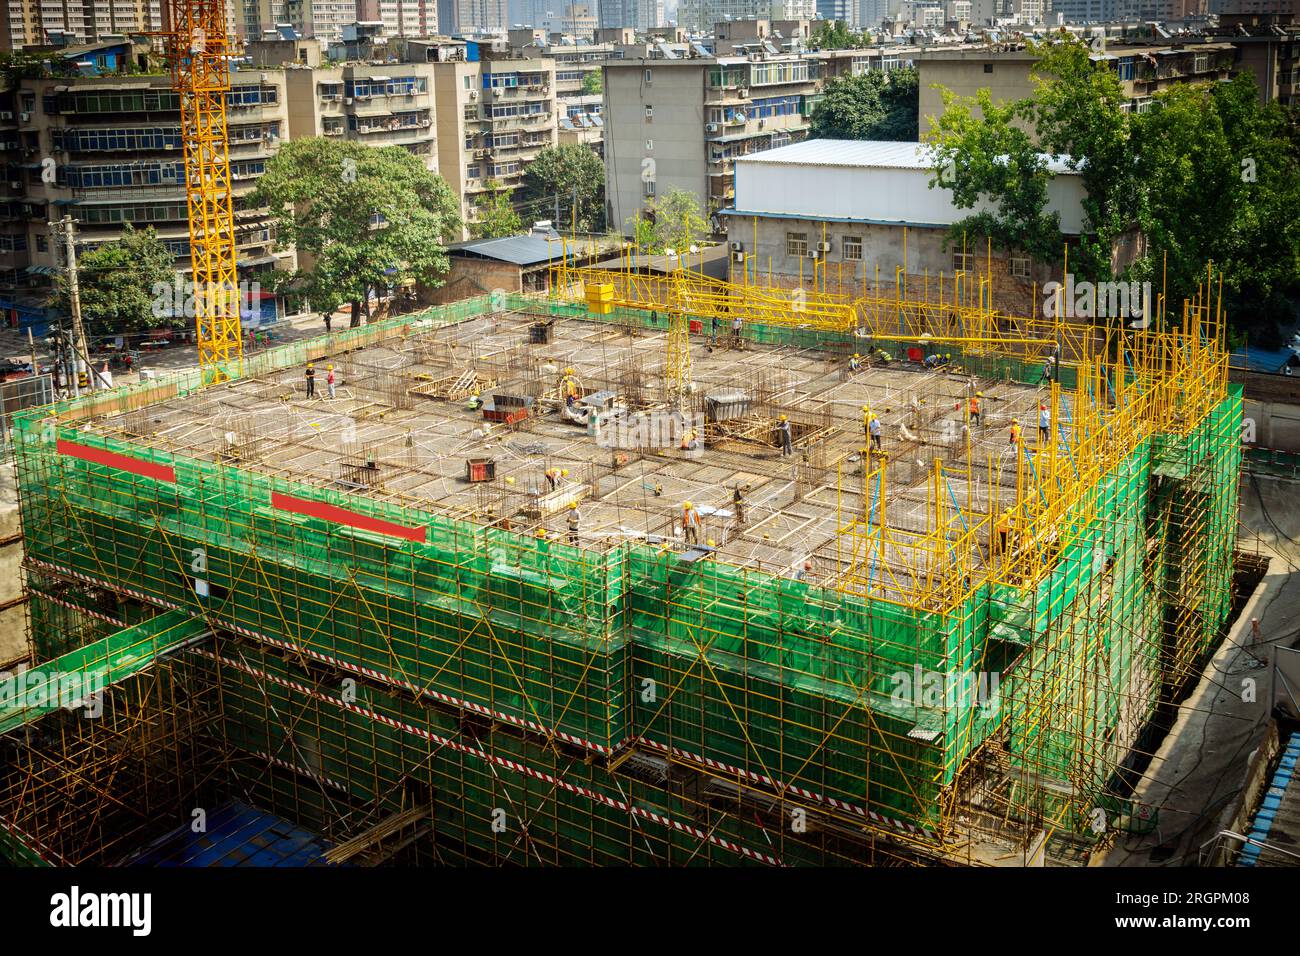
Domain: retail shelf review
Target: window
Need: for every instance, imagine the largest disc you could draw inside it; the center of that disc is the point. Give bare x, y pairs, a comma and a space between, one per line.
42, 243
963, 261
1201, 63
649, 187
471, 171
649, 112
649, 146
852, 248
796, 244
649, 76
1020, 267
988, 67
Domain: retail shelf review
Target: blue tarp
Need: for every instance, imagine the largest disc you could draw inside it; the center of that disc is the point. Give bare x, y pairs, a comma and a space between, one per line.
237, 835
1270, 361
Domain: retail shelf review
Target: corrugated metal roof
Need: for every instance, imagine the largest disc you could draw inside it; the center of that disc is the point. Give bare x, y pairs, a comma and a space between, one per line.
866, 154
519, 250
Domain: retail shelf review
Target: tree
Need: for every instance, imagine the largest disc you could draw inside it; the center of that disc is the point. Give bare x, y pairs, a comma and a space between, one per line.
366, 218
1206, 174
592, 83
674, 222
874, 105
124, 285
497, 217
573, 173
994, 156
834, 35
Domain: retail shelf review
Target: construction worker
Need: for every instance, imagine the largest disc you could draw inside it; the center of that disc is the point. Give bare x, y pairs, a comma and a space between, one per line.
474, 402
329, 380
783, 432
690, 440
569, 387
575, 518
1004, 530
874, 428
885, 357
802, 573
328, 316
738, 502
713, 339
1044, 422
1015, 432
932, 361
947, 358
975, 408
553, 477
311, 380
866, 423
855, 363
735, 332
690, 523
1049, 370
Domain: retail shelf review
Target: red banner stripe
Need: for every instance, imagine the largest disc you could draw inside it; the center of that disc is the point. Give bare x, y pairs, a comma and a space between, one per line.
112, 459
337, 515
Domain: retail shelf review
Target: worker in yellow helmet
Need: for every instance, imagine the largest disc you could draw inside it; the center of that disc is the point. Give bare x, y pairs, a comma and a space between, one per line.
690, 523
329, 380
311, 380
855, 363
1003, 530
783, 432
575, 519
1015, 431
975, 408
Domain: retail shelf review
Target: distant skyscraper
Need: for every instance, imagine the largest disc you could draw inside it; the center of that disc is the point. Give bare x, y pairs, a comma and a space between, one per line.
841, 10
24, 23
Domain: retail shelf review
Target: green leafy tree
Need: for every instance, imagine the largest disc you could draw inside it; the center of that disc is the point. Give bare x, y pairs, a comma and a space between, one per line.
1206, 174
592, 83
874, 105
994, 156
124, 285
674, 222
835, 35
573, 173
497, 217
362, 219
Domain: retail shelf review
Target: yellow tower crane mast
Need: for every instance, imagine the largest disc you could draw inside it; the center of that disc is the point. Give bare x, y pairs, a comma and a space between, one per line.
200, 57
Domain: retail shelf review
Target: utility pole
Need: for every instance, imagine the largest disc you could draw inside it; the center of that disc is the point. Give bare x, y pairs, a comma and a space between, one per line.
67, 227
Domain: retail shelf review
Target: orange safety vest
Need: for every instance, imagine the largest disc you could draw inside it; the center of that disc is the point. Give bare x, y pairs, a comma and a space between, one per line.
1015, 433
690, 517
974, 406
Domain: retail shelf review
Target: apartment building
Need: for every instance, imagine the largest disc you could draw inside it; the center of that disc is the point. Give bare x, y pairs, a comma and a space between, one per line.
682, 123
1267, 46
1144, 70
401, 18
578, 97
701, 15
472, 16
38, 22
637, 14
495, 112
319, 19
107, 151
376, 105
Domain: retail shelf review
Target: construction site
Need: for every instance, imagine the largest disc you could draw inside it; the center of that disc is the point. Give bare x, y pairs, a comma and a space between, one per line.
654, 570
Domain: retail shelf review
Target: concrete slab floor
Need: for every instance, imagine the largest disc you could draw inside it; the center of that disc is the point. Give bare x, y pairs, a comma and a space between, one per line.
419, 444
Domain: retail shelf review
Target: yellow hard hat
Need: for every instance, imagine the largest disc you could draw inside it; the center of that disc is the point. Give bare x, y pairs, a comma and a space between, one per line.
564, 473
947, 355
783, 418
573, 505
568, 371
866, 408
979, 394
1015, 421
330, 367
710, 543
685, 505
309, 365
856, 355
